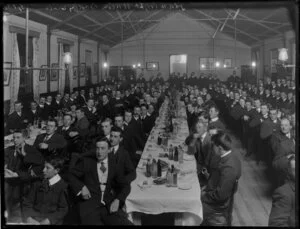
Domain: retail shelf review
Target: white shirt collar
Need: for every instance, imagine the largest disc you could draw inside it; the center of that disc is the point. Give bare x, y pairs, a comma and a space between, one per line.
288, 135
54, 179
105, 161
265, 116
214, 119
66, 127
108, 136
275, 121
48, 136
225, 154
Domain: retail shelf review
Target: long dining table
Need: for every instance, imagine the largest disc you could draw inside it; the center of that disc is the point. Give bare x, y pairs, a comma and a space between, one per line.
184, 200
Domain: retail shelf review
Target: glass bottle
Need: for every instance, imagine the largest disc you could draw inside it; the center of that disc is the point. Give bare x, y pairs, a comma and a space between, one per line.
171, 152
154, 169
176, 154
158, 168
148, 168
169, 177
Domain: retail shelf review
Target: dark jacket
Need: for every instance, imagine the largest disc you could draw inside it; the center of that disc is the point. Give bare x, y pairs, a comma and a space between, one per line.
124, 164
51, 204
56, 144
14, 121
84, 173
221, 181
283, 212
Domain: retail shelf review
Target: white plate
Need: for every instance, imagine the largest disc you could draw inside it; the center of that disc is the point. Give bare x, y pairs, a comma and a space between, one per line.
184, 186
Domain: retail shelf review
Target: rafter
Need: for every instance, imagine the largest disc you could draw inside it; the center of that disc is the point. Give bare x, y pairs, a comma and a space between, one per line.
97, 29
66, 20
259, 23
98, 23
68, 24
129, 21
215, 19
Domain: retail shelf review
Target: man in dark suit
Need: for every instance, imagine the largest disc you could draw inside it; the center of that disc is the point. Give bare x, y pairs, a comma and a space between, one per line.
48, 108
74, 143
122, 157
268, 127
105, 109
41, 108
284, 212
214, 119
56, 104
81, 100
90, 111
82, 124
50, 142
66, 102
23, 164
101, 186
216, 195
283, 146
199, 144
117, 103
147, 120
34, 113
17, 119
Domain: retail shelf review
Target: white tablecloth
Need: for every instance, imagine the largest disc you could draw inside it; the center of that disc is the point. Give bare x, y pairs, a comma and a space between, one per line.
159, 199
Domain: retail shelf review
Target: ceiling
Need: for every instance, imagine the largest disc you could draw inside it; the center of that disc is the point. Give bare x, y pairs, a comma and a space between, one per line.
104, 25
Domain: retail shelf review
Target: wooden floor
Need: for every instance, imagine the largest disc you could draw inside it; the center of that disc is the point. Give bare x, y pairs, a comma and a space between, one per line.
252, 203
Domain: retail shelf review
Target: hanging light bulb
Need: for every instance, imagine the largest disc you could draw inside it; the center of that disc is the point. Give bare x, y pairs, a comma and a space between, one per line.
4, 18
283, 55
154, 65
105, 65
202, 66
139, 65
67, 58
225, 66
217, 64
253, 64
134, 66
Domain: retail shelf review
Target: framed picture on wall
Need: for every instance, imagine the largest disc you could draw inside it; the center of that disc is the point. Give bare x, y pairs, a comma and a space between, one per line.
152, 66
54, 72
6, 73
227, 62
95, 68
43, 73
75, 72
82, 70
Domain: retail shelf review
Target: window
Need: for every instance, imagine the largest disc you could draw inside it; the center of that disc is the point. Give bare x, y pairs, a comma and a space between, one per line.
178, 64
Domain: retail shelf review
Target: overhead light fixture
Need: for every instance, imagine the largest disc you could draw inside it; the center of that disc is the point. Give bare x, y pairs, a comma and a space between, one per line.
283, 55
134, 66
154, 65
217, 64
4, 18
67, 58
202, 66
253, 64
225, 66
105, 65
139, 65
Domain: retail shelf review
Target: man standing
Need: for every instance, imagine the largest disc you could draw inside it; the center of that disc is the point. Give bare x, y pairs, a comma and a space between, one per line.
216, 195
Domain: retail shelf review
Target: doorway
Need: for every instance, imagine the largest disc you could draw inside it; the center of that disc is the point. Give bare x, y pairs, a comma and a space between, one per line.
178, 64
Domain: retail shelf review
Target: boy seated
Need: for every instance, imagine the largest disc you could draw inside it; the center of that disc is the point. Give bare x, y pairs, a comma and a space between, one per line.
47, 200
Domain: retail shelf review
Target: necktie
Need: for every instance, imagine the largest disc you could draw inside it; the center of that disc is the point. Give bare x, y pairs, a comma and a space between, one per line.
46, 138
102, 167
113, 150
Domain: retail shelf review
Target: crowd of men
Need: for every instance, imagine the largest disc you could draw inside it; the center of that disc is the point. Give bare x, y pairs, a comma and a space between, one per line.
94, 138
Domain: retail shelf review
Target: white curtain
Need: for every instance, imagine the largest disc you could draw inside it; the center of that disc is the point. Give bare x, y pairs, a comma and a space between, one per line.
35, 75
71, 74
61, 78
15, 74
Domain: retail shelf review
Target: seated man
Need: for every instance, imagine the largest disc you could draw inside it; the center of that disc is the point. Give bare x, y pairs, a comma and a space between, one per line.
46, 203
283, 212
122, 157
74, 142
100, 205
50, 142
82, 124
17, 119
214, 118
23, 164
215, 197
283, 146
34, 113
